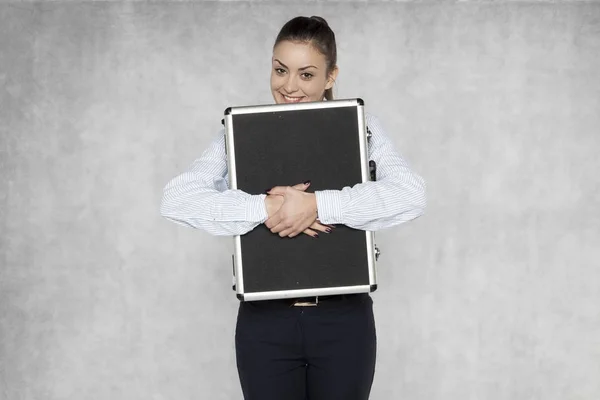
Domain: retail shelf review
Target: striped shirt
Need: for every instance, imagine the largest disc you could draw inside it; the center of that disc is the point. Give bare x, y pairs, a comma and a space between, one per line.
200, 197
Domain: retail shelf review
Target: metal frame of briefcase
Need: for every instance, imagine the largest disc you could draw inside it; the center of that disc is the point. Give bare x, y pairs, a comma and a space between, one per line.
283, 145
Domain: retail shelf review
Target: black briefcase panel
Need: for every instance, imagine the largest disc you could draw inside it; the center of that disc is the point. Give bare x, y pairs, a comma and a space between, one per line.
282, 145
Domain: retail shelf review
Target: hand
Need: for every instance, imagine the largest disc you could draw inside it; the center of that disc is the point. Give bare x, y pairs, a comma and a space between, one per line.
273, 203
297, 211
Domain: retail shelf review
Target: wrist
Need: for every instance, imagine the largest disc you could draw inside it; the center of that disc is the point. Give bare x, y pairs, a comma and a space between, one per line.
256, 209
329, 204
313, 203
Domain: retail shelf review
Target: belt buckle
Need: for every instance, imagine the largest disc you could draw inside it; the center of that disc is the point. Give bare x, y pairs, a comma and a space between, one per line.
307, 303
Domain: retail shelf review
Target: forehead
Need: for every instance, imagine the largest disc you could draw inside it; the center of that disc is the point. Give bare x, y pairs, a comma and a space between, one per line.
298, 54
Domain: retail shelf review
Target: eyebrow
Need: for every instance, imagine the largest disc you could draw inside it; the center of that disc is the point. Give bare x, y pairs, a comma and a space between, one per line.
299, 69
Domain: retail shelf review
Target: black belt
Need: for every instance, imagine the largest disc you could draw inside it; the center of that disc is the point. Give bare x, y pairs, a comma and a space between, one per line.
315, 300
311, 301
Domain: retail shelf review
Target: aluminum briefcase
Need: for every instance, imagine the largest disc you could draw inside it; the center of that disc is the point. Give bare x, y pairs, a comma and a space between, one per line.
325, 142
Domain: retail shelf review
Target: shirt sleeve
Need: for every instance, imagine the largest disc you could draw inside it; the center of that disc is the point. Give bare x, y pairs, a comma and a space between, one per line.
200, 197
397, 195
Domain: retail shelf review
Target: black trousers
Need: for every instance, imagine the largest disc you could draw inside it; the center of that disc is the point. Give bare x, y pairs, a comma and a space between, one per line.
324, 352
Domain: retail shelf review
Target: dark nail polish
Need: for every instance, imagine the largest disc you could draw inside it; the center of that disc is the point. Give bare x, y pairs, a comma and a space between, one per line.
316, 236
328, 230
267, 191
306, 182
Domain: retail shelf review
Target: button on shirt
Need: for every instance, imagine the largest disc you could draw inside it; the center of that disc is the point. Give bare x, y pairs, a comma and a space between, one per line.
200, 197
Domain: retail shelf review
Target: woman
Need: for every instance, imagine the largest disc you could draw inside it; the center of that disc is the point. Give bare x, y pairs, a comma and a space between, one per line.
285, 350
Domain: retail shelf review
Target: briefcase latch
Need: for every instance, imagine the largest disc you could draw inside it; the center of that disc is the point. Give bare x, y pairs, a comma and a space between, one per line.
377, 253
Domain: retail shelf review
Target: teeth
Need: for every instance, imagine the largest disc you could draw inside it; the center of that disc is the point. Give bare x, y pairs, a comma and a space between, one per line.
292, 99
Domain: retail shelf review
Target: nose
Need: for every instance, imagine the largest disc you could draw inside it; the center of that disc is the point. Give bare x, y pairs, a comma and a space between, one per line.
291, 85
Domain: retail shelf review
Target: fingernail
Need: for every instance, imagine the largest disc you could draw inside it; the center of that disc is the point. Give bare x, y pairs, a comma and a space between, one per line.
316, 236
328, 230
307, 182
267, 191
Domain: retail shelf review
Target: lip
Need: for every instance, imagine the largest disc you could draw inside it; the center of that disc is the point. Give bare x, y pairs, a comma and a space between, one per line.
291, 99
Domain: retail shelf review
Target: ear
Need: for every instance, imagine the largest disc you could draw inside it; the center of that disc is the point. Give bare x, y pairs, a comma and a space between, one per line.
332, 78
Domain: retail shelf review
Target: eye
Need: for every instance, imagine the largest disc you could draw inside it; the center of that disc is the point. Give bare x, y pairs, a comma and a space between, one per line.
307, 75
280, 71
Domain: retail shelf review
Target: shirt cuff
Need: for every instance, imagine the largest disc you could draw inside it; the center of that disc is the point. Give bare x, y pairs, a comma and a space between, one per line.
256, 210
329, 206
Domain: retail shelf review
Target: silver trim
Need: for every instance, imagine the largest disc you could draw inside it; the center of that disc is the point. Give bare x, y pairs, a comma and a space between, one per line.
230, 149
363, 140
371, 259
239, 273
363, 144
290, 294
237, 242
293, 106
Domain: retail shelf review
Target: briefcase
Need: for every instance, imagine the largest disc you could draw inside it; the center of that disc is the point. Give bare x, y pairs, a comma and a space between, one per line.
325, 142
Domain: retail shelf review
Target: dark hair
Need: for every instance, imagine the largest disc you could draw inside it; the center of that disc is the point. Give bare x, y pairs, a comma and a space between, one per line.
316, 31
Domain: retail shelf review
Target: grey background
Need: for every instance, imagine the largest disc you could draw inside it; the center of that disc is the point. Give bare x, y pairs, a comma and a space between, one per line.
493, 294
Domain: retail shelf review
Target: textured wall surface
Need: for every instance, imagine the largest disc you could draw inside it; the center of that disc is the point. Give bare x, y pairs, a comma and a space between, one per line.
494, 294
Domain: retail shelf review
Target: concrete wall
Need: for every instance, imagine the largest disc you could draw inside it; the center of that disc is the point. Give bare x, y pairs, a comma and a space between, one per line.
493, 295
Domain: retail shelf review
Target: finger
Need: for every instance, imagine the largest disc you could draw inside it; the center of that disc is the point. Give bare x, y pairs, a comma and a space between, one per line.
294, 234
321, 227
298, 229
310, 232
332, 227
280, 190
291, 230
286, 232
281, 226
273, 221
302, 186
319, 221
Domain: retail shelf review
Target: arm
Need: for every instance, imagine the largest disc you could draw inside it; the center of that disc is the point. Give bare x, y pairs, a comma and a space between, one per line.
397, 196
200, 197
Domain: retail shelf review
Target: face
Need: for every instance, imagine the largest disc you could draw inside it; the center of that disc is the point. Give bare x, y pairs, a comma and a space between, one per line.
299, 73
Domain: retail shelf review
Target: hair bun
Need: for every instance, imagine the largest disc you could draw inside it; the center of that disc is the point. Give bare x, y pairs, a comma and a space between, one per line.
320, 19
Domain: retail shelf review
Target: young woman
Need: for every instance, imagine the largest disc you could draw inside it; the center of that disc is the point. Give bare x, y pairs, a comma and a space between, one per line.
284, 350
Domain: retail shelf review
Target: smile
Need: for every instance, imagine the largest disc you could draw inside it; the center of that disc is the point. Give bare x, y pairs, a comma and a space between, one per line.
289, 99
